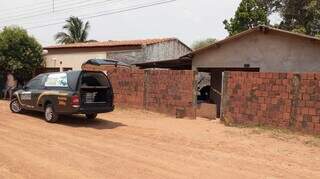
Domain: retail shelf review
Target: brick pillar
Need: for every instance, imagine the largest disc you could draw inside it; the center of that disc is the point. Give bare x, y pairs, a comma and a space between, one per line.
146, 86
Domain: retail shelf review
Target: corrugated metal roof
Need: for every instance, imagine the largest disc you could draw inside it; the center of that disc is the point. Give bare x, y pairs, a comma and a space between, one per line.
177, 64
105, 62
111, 43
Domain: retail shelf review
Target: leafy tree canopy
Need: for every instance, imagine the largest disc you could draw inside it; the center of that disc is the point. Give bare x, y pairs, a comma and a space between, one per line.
203, 43
272, 6
19, 53
301, 16
249, 14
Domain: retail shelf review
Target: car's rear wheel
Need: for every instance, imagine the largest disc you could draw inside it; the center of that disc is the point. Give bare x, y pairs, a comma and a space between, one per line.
15, 106
50, 114
91, 116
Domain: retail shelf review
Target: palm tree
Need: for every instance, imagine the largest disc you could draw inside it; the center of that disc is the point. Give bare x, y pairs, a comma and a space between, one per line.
76, 31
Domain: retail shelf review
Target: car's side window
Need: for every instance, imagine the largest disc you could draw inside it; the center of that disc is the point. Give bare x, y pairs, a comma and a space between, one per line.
35, 83
57, 80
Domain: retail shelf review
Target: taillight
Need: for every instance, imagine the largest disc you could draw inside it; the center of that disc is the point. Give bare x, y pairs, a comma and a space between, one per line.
75, 101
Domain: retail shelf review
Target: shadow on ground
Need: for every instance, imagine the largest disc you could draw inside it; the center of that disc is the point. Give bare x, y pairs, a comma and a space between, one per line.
80, 121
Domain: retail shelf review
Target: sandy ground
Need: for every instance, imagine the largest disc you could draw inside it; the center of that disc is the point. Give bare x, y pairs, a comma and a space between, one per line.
138, 144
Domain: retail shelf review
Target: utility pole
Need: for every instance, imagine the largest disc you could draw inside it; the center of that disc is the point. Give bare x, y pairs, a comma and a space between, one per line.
53, 6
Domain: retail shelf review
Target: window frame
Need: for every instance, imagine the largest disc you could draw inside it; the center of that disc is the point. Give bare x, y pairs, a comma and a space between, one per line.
40, 84
109, 85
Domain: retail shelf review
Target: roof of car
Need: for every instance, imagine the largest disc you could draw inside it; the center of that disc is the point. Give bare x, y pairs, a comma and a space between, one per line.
71, 71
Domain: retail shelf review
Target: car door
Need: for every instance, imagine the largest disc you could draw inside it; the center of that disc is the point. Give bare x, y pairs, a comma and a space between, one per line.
37, 90
58, 85
29, 92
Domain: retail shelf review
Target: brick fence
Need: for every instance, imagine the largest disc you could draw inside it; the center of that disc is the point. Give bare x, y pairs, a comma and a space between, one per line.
284, 100
164, 91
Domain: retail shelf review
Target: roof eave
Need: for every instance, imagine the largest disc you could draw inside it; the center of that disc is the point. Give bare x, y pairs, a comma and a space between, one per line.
261, 28
101, 46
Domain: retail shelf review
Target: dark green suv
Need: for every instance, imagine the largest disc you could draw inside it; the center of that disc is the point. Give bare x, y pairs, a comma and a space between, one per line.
73, 92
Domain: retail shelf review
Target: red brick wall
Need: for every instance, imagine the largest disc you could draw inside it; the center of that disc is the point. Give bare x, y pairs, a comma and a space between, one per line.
128, 86
170, 92
283, 100
164, 91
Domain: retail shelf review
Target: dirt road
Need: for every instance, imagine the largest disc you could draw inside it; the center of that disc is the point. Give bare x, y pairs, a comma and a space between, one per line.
136, 144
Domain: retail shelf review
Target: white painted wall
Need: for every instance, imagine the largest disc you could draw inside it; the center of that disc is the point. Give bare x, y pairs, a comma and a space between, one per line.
71, 60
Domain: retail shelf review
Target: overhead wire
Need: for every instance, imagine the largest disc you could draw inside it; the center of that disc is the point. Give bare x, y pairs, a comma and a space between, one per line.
44, 19
101, 13
24, 7
34, 6
48, 11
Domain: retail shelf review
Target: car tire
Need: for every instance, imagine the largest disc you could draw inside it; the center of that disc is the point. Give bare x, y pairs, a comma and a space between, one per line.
15, 106
91, 116
50, 115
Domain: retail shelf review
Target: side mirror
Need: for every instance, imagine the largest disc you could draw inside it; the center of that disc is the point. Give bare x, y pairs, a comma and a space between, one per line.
25, 88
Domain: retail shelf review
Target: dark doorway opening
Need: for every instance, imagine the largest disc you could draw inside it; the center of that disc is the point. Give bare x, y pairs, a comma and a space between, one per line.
216, 84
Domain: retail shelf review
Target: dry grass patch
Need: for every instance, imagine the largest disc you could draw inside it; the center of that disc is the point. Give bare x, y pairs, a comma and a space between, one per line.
285, 135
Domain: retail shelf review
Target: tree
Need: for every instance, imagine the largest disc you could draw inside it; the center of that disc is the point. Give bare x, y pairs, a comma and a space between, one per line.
203, 43
272, 6
301, 16
19, 53
249, 14
76, 31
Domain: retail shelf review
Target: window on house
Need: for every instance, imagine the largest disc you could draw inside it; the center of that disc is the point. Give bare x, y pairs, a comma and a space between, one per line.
67, 69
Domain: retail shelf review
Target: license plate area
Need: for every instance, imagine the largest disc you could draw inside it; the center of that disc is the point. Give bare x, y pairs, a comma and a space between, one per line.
90, 97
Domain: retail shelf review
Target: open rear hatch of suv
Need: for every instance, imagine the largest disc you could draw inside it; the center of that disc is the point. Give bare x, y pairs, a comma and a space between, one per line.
95, 90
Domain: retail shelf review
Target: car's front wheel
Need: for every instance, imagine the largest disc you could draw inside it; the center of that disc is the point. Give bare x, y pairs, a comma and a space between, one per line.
91, 116
50, 114
15, 106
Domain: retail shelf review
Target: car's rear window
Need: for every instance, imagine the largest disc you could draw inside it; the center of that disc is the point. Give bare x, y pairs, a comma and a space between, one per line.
57, 80
94, 79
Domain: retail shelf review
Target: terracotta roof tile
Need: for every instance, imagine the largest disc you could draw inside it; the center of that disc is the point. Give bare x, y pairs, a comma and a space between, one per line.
112, 43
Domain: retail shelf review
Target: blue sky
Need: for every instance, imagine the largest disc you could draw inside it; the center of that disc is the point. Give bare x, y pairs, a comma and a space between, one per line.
188, 20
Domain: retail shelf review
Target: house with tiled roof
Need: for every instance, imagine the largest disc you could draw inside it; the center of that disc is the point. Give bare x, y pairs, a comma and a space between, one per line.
72, 56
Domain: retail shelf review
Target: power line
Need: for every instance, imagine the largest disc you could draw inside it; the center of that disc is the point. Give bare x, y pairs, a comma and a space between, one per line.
47, 3
45, 7
107, 13
53, 5
45, 19
48, 9
56, 10
29, 6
